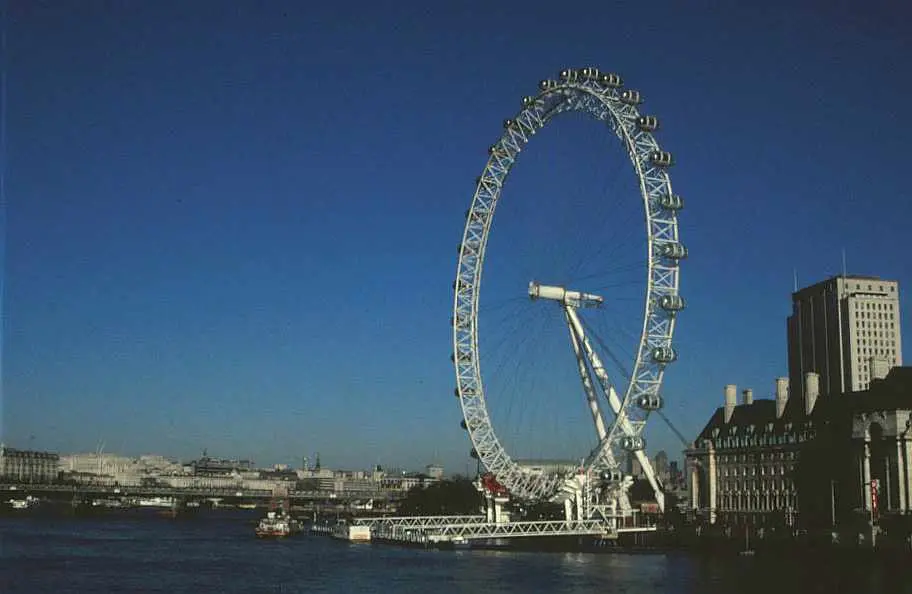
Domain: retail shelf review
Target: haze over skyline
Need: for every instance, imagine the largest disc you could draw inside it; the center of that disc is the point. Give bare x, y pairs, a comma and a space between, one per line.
232, 226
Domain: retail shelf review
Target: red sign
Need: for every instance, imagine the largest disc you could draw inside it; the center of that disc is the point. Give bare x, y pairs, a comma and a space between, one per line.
874, 497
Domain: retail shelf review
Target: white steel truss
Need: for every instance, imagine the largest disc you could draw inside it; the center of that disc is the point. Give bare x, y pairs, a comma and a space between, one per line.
601, 96
412, 522
477, 531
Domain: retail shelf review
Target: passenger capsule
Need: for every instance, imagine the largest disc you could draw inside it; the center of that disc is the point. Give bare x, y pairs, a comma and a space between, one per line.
648, 123
671, 202
569, 74
527, 101
611, 80
650, 402
508, 123
547, 84
671, 303
474, 454
611, 476
664, 354
633, 443
631, 97
462, 424
661, 158
590, 72
674, 251
456, 392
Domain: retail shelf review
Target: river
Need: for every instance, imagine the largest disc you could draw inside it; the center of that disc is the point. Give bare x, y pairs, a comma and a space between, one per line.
217, 552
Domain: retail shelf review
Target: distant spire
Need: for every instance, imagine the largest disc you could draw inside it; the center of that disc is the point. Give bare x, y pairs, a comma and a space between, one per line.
795, 275
843, 264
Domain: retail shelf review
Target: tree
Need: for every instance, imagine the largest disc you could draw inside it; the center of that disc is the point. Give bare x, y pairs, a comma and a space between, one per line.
445, 497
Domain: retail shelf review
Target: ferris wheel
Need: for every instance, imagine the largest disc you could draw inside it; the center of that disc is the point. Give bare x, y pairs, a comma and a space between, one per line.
630, 399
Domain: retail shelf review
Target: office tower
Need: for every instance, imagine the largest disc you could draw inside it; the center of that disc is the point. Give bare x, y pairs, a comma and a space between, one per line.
846, 329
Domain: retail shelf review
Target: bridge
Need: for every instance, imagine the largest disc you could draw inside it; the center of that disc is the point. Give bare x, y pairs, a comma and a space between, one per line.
264, 495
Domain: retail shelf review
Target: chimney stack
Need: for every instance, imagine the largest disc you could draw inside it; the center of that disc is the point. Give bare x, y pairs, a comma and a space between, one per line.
748, 396
731, 400
782, 395
811, 391
879, 367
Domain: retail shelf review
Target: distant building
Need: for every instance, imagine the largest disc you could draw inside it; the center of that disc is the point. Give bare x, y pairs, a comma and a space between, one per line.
842, 329
434, 471
207, 466
660, 466
539, 467
27, 466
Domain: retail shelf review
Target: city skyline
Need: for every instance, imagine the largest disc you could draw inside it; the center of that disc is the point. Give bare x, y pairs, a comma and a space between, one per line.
236, 229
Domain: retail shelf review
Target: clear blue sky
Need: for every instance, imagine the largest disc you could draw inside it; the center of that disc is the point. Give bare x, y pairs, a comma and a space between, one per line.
233, 225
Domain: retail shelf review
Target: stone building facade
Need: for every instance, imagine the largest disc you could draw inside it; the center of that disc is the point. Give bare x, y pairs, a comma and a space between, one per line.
27, 466
816, 463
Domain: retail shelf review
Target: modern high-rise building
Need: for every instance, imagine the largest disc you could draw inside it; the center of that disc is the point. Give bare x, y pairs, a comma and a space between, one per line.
846, 329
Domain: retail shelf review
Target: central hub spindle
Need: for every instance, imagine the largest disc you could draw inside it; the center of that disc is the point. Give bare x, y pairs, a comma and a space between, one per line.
563, 296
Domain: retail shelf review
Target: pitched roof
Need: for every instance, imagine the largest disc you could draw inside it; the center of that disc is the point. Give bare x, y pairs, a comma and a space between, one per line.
891, 393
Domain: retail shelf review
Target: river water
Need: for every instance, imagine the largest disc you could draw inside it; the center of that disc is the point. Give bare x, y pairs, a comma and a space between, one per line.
218, 552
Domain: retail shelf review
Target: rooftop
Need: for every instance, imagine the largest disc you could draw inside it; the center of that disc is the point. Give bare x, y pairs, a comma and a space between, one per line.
891, 393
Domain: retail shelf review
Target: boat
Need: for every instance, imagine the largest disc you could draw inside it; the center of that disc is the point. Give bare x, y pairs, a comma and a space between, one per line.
168, 502
108, 503
277, 524
28, 503
351, 532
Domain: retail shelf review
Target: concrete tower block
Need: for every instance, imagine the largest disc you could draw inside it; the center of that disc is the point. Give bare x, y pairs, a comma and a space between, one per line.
748, 396
782, 394
811, 391
731, 400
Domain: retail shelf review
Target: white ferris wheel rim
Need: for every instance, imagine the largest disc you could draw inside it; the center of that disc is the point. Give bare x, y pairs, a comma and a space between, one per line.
601, 96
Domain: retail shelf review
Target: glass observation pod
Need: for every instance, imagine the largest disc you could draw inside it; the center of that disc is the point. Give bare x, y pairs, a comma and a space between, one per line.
508, 123
648, 123
650, 402
673, 251
547, 84
631, 97
473, 453
590, 72
664, 354
612, 80
462, 424
527, 101
569, 74
633, 443
611, 476
671, 202
661, 158
671, 303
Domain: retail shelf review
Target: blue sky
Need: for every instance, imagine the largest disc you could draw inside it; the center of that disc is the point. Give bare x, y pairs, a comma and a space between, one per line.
233, 225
